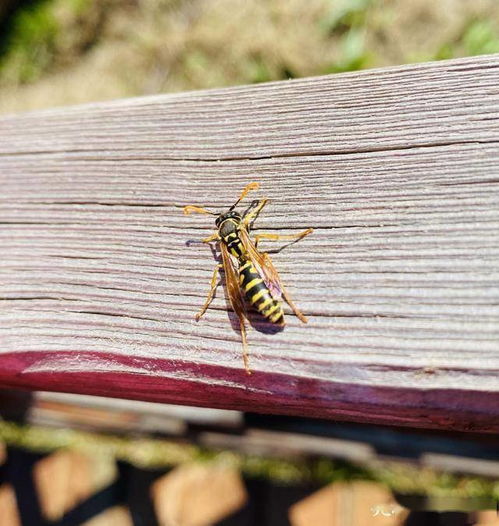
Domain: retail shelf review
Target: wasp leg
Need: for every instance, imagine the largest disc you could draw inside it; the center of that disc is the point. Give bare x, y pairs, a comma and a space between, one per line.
267, 263
298, 313
213, 237
211, 293
277, 237
252, 212
245, 344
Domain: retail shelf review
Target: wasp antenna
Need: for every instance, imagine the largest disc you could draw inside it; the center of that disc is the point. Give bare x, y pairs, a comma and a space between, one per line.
189, 209
248, 188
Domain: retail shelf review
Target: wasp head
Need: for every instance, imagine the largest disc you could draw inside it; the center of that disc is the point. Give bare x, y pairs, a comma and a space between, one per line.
227, 215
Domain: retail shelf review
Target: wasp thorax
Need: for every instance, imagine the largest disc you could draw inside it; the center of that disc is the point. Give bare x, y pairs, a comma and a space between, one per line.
228, 215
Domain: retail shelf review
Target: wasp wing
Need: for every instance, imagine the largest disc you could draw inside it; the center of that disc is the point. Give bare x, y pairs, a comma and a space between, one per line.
262, 263
236, 298
232, 282
269, 273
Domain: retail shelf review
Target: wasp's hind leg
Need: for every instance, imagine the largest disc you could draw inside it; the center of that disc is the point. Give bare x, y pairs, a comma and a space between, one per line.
278, 237
285, 294
245, 343
211, 292
298, 313
267, 263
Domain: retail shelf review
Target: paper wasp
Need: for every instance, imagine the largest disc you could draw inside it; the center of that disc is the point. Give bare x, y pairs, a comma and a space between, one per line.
249, 273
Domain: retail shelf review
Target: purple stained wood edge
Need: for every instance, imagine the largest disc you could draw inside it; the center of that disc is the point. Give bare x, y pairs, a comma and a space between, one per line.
187, 383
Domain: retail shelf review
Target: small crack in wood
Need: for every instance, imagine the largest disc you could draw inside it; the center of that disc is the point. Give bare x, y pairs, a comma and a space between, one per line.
229, 158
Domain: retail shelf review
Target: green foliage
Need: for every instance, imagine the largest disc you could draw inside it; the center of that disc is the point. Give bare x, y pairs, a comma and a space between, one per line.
115, 48
354, 55
345, 15
481, 38
40, 33
148, 452
31, 42
446, 51
348, 20
257, 70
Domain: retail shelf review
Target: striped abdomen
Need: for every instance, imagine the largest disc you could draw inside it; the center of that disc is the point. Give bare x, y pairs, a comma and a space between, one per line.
258, 294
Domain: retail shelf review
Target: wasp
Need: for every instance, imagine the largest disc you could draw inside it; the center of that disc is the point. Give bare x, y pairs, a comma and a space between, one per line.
250, 275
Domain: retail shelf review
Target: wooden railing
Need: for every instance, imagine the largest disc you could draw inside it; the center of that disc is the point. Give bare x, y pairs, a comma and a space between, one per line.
397, 171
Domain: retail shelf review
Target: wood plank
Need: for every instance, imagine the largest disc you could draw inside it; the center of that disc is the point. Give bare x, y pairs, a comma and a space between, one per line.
66, 478
9, 515
349, 503
397, 171
198, 495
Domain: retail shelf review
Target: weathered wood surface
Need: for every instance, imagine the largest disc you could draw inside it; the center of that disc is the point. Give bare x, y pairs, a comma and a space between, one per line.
397, 170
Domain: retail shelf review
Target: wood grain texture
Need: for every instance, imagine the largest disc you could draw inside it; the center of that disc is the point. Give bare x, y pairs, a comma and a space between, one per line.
397, 170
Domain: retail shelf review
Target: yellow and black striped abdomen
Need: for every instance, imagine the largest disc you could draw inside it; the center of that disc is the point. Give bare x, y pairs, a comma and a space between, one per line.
258, 294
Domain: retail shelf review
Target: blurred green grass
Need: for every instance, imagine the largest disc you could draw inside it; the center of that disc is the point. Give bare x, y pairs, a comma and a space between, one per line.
56, 52
153, 452
32, 42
